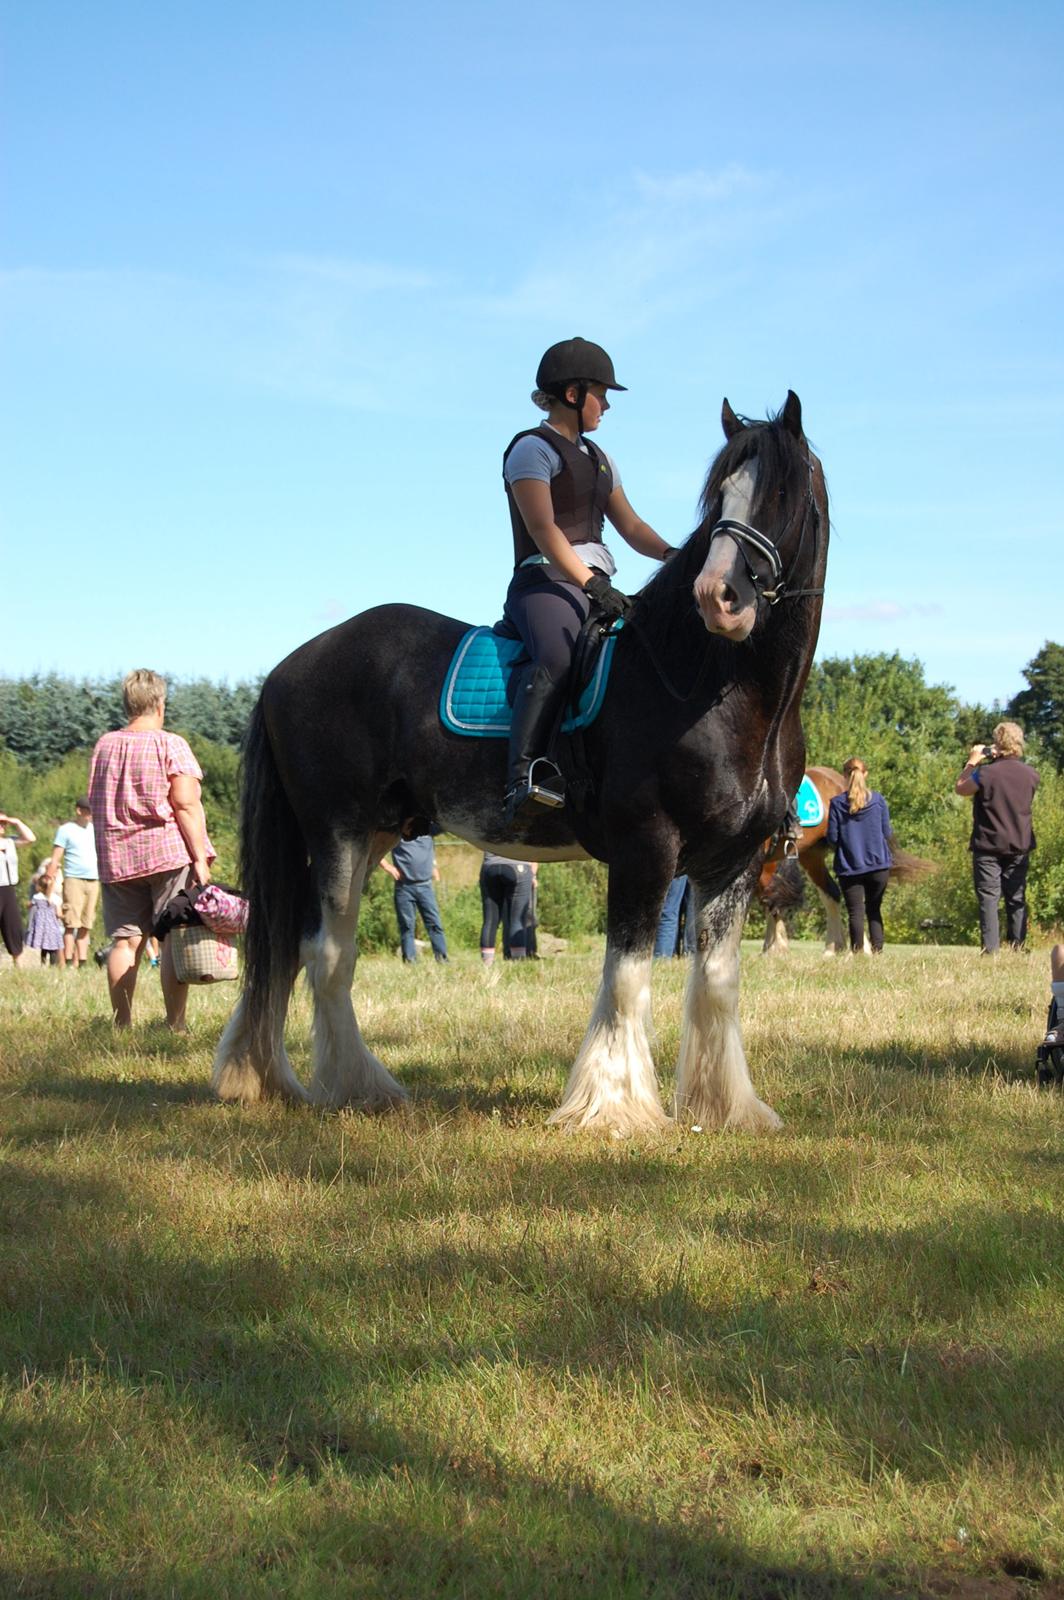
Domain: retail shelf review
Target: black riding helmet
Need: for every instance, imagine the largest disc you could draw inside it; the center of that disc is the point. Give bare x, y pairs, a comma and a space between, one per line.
575, 361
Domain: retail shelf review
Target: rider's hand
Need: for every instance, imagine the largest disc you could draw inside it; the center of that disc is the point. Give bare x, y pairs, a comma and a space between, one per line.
610, 601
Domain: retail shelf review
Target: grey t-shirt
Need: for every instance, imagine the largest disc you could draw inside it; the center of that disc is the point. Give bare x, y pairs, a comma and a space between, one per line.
532, 457
415, 858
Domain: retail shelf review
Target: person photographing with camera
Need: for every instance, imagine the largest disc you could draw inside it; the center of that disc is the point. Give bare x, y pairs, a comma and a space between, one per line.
1001, 786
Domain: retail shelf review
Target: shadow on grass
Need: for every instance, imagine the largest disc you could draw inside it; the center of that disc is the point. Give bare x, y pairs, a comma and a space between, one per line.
130, 1094
235, 1329
405, 1513
234, 1343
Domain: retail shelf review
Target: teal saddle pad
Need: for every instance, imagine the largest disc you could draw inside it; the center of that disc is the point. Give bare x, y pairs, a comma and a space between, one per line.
473, 699
808, 804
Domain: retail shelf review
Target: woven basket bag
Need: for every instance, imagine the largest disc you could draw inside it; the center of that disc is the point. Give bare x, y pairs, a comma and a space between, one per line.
201, 956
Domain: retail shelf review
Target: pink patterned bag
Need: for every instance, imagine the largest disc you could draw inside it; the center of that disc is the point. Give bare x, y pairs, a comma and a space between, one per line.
221, 910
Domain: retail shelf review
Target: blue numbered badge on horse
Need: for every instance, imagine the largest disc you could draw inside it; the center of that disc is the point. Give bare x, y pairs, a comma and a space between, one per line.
808, 804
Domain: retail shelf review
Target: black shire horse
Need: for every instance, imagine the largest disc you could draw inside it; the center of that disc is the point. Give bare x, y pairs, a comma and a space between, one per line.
695, 755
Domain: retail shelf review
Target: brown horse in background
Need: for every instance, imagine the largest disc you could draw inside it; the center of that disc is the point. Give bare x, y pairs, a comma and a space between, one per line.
780, 886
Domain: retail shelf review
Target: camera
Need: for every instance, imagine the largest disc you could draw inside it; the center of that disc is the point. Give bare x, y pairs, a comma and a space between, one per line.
988, 750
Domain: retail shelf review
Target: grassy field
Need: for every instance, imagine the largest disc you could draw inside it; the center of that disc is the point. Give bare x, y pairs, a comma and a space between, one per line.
451, 1352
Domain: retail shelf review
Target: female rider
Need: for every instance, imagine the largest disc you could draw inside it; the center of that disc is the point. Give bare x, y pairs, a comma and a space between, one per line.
560, 487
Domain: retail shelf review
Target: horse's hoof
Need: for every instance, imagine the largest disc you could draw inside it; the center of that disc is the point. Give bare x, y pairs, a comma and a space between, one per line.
758, 1118
752, 1117
615, 1123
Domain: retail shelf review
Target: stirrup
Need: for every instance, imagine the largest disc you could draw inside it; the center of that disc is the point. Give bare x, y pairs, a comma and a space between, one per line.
527, 791
549, 788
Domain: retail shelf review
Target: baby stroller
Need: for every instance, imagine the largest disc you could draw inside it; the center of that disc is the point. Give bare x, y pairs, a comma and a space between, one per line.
1050, 1054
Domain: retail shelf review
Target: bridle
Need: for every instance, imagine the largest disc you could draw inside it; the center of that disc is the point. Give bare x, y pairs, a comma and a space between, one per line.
744, 535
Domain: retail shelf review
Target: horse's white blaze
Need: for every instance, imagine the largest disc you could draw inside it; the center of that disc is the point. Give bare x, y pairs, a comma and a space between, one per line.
737, 496
712, 1079
243, 1073
345, 1071
737, 493
612, 1083
718, 569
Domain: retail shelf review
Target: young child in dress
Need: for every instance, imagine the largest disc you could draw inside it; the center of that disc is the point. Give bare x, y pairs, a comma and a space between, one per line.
44, 931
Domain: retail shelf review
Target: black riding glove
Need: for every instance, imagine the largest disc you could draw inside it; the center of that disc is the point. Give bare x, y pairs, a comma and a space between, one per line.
610, 601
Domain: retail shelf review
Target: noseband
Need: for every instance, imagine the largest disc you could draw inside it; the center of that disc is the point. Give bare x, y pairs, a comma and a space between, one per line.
745, 535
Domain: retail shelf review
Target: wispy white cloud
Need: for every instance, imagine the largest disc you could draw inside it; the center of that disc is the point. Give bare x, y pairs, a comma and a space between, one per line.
653, 245
879, 611
309, 327
699, 187
360, 277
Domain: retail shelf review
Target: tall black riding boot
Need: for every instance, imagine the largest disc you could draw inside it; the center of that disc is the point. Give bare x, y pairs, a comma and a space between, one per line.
531, 778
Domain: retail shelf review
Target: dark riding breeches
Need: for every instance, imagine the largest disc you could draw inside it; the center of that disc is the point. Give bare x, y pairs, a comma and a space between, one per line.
548, 616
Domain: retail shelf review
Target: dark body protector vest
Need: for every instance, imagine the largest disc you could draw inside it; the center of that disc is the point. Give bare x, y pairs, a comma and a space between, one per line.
578, 493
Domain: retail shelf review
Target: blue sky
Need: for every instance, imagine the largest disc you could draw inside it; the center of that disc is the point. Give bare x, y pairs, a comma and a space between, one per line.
276, 277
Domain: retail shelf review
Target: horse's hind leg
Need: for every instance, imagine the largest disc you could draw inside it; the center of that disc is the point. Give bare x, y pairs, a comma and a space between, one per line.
713, 1085
345, 1072
252, 1064
815, 864
776, 940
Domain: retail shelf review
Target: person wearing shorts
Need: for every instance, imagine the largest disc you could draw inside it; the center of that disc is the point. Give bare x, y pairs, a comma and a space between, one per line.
74, 850
151, 838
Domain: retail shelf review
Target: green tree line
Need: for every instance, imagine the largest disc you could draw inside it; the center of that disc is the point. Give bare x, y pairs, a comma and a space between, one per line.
44, 718
913, 735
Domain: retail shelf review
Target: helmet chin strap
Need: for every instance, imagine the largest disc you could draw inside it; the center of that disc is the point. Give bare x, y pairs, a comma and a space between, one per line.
577, 405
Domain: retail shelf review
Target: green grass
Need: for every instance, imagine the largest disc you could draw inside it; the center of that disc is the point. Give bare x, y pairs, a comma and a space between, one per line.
452, 1352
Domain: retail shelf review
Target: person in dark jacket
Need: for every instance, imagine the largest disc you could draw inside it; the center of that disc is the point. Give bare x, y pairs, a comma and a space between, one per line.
561, 488
1002, 788
859, 828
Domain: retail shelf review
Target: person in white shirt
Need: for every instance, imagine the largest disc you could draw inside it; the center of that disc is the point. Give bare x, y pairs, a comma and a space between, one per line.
75, 850
11, 930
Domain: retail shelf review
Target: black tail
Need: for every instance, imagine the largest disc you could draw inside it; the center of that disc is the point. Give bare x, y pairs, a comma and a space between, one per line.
786, 891
276, 876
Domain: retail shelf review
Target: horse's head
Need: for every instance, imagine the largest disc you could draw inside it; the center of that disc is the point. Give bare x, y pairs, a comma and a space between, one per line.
764, 507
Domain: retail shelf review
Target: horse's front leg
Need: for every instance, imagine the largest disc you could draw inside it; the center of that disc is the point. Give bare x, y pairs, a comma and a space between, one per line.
613, 1084
713, 1085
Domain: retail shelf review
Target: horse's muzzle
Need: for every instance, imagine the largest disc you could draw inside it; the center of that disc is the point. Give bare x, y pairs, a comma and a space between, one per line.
723, 612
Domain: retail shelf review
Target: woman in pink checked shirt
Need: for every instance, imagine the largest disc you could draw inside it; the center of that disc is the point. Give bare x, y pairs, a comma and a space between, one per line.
151, 838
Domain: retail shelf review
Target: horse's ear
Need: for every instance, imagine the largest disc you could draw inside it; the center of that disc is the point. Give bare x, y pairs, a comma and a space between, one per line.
729, 421
791, 415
